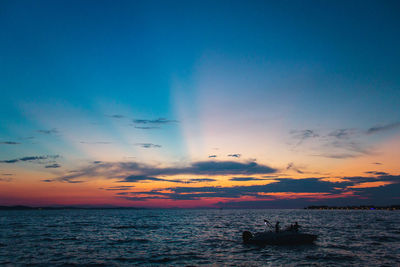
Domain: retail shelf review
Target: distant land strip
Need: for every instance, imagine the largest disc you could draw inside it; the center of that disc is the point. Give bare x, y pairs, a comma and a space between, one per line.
19, 207
369, 207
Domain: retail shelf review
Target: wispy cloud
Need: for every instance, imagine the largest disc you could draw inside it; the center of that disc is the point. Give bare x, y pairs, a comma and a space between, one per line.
65, 180
377, 173
139, 171
303, 135
27, 138
201, 180
51, 131
119, 188
155, 121
53, 166
139, 178
245, 179
96, 143
212, 156
116, 116
142, 198
382, 128
291, 166
235, 155
39, 159
9, 143
337, 155
337, 144
147, 127
342, 133
148, 145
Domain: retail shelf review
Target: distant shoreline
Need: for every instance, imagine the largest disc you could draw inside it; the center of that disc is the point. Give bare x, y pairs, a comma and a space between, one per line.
22, 207
369, 207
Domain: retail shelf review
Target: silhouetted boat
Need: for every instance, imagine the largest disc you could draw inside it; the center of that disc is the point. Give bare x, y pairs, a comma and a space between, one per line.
280, 238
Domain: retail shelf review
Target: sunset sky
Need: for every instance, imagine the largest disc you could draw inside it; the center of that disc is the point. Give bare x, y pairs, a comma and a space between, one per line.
233, 104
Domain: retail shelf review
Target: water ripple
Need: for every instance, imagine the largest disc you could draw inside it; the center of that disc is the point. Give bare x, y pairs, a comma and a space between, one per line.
194, 237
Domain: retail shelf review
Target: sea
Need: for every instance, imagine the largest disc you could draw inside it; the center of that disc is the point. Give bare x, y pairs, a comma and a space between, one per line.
194, 237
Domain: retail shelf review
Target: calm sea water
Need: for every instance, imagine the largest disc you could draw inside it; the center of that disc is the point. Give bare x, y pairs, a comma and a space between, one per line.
194, 237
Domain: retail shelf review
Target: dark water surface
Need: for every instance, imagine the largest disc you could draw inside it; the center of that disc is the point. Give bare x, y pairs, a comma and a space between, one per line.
194, 237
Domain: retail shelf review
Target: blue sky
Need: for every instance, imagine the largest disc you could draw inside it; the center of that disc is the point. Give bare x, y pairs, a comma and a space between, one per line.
173, 82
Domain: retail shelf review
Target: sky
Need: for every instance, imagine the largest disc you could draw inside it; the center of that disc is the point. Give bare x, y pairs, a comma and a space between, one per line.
188, 104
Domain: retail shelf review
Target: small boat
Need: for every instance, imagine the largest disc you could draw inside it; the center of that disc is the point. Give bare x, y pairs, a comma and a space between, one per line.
278, 238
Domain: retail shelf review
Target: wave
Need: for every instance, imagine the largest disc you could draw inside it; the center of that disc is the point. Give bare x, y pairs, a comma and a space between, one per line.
129, 240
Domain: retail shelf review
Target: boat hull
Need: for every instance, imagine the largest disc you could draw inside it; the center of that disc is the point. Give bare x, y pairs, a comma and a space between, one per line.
281, 238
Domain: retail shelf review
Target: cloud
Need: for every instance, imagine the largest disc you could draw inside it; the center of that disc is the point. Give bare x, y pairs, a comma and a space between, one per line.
27, 138
341, 143
376, 178
53, 166
200, 180
342, 133
148, 145
75, 182
337, 155
245, 179
377, 173
218, 168
235, 155
155, 121
291, 166
307, 185
39, 159
310, 185
7, 174
147, 127
9, 143
140, 178
381, 195
351, 190
118, 188
303, 135
96, 143
5, 179
142, 198
52, 131
212, 156
387, 127
343, 147
117, 116
55, 180
137, 170
337, 144
350, 146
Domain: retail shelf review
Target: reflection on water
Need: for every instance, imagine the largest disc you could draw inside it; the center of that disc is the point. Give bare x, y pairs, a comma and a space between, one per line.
194, 237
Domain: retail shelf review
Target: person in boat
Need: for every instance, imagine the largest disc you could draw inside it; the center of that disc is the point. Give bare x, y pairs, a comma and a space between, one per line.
277, 227
289, 228
296, 227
